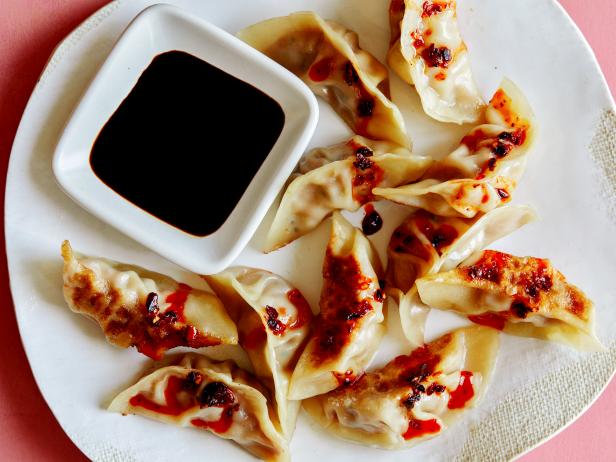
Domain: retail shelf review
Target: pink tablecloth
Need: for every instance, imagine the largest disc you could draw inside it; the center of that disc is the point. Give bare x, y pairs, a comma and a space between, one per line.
29, 30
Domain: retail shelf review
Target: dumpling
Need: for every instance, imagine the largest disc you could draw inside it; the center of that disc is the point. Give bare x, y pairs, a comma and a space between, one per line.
318, 157
344, 184
139, 308
327, 57
483, 171
427, 51
522, 296
350, 325
424, 244
273, 320
415, 397
217, 397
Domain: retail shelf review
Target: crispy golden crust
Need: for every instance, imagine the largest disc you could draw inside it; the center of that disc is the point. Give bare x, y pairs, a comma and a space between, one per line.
534, 285
125, 318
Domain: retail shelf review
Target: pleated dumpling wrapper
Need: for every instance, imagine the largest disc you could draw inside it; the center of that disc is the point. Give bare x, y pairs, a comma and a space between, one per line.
214, 396
340, 177
483, 171
523, 296
350, 325
415, 397
425, 244
427, 51
274, 321
327, 57
140, 308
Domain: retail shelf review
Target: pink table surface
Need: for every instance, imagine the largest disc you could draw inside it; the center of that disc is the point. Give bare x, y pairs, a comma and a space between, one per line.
29, 30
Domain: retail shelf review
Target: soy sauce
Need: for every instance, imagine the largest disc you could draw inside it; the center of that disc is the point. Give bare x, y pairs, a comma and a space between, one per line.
186, 142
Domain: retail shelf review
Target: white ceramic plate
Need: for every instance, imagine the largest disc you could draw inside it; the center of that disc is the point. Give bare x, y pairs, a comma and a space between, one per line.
532, 42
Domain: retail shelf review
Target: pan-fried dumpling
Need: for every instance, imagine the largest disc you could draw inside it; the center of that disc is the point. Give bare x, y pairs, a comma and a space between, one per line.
522, 296
415, 397
327, 57
350, 326
218, 397
139, 308
339, 185
319, 157
483, 171
273, 320
424, 244
427, 51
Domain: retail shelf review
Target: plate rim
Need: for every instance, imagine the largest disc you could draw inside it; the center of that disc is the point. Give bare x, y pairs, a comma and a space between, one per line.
104, 13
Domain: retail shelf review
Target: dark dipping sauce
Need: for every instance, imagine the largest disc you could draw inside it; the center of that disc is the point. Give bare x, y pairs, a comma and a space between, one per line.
186, 142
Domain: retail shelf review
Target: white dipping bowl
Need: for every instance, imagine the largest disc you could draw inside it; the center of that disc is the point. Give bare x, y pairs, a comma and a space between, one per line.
156, 30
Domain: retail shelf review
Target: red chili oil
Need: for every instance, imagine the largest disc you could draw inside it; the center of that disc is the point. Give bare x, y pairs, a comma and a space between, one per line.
440, 235
492, 320
463, 393
304, 313
321, 70
418, 428
489, 267
341, 307
173, 406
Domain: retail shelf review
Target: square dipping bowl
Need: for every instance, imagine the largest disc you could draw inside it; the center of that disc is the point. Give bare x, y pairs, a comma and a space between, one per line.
156, 30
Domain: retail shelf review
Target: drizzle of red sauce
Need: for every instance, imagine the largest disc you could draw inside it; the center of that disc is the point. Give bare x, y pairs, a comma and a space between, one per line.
153, 332
417, 366
177, 300
418, 41
192, 334
493, 320
502, 103
489, 267
172, 406
432, 8
366, 179
254, 338
500, 146
485, 198
341, 306
473, 139
461, 192
439, 236
321, 70
464, 393
418, 428
304, 313
218, 426
440, 76
372, 222
404, 240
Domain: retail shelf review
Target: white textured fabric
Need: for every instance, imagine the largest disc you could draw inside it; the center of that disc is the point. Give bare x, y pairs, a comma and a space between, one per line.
537, 411
603, 150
